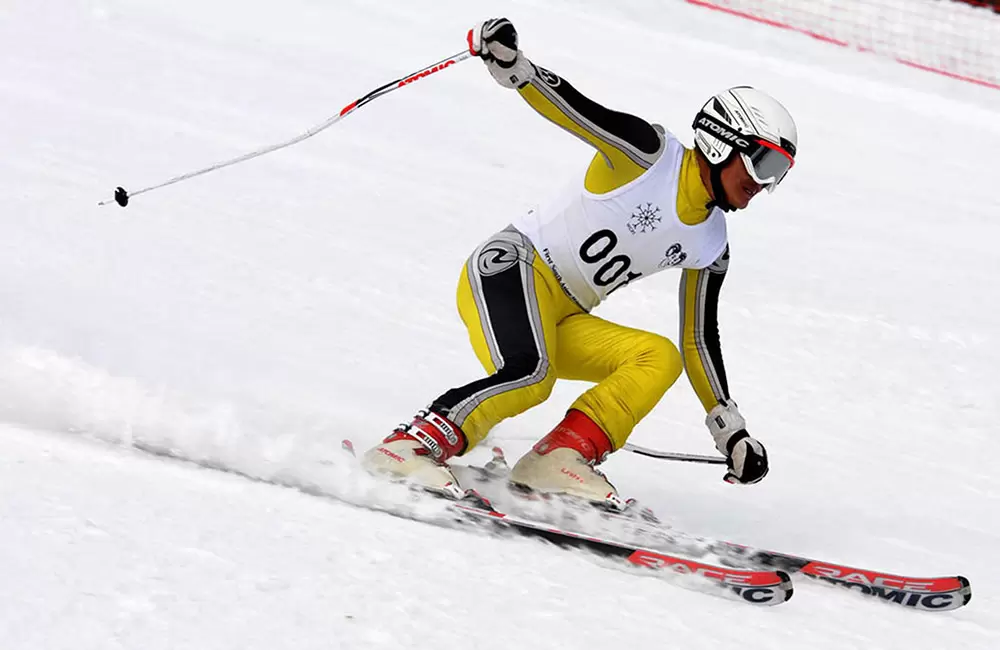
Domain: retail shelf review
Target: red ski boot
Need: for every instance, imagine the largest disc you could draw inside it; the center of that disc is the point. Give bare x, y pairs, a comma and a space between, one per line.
417, 452
563, 462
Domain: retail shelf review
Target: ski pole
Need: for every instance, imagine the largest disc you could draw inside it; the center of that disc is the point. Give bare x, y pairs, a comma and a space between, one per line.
122, 196
670, 455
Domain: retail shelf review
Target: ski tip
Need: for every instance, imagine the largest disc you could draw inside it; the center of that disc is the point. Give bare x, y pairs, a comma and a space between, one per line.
966, 589
772, 594
347, 446
786, 584
766, 588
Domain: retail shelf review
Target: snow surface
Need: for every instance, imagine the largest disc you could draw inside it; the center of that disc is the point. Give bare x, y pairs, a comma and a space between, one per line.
253, 318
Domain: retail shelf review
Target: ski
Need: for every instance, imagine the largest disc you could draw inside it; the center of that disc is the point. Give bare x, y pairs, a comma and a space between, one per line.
756, 575
756, 587
765, 587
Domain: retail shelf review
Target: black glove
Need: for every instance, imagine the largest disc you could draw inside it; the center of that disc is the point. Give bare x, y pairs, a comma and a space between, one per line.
745, 456
746, 459
495, 41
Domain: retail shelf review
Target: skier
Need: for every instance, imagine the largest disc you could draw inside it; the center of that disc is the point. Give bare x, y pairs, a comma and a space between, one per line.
646, 203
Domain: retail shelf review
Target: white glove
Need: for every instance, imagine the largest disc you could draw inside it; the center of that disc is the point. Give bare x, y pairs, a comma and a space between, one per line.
495, 41
745, 456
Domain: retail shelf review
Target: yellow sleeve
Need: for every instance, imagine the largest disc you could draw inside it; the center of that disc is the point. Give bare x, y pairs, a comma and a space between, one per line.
627, 145
700, 345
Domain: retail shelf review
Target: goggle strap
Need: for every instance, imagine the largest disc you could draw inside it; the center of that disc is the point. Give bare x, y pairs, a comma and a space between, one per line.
718, 129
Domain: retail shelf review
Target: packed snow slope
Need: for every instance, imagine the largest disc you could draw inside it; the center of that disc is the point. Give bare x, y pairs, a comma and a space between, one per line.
252, 318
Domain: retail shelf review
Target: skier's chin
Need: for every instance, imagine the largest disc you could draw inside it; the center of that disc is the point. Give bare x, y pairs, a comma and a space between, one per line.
740, 201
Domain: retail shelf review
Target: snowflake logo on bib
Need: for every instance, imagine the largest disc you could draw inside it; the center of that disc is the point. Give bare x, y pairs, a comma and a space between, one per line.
644, 219
675, 256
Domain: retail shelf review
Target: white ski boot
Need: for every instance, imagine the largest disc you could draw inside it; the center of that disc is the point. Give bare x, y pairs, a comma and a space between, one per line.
417, 453
563, 463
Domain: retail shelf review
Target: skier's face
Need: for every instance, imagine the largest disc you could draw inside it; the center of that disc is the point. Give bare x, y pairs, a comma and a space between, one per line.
740, 188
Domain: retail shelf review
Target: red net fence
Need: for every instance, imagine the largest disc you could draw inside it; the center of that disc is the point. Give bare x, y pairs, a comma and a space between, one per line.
957, 38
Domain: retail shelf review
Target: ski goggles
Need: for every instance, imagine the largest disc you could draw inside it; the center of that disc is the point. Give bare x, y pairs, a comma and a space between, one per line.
765, 162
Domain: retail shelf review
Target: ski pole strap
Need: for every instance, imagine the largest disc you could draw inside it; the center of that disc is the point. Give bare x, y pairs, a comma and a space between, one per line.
670, 455
122, 196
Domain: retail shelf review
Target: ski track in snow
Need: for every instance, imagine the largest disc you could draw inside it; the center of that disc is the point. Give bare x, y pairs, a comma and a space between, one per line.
253, 318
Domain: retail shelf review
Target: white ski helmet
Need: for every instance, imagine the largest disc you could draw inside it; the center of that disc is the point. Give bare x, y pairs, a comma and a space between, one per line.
748, 121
